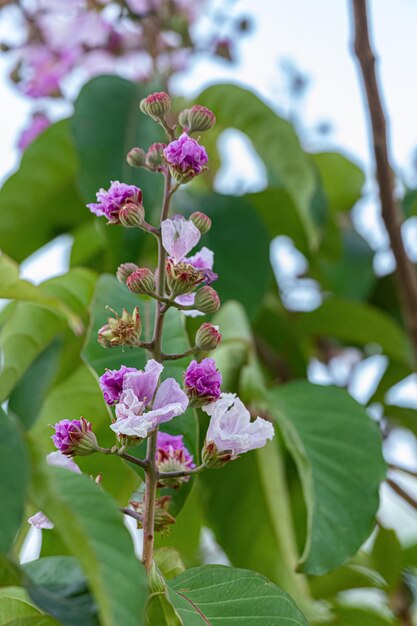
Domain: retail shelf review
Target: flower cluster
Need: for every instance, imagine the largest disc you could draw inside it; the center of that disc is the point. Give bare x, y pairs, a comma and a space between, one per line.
143, 400
67, 42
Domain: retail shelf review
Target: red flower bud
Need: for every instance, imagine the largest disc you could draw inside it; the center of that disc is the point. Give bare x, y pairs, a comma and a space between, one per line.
141, 281
207, 337
156, 105
207, 300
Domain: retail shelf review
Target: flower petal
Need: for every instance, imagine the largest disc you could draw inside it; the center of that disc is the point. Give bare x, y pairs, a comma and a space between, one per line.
144, 383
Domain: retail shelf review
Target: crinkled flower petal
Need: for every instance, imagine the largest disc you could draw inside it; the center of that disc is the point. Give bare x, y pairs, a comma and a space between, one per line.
39, 520
231, 428
203, 259
144, 383
111, 383
179, 236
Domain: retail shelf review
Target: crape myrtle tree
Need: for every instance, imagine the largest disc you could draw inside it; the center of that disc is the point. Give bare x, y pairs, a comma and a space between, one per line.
162, 381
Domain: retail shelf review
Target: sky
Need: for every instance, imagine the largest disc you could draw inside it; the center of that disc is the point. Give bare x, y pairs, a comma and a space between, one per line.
316, 36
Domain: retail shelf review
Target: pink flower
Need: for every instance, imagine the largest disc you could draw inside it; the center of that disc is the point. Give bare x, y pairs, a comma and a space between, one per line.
185, 157
202, 382
111, 201
140, 389
231, 429
203, 259
172, 456
74, 437
111, 383
38, 124
46, 69
179, 236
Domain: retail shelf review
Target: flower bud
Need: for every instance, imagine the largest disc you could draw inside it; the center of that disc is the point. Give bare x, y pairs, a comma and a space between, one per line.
131, 215
207, 337
202, 221
172, 456
74, 437
121, 331
213, 458
207, 300
156, 105
200, 118
183, 119
162, 518
182, 277
154, 156
141, 281
124, 271
136, 157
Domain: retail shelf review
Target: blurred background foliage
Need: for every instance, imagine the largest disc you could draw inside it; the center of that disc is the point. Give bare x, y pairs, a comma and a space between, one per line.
304, 510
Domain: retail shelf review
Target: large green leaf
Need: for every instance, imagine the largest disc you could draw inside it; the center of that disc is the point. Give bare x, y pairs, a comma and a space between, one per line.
240, 243
273, 138
15, 472
342, 179
337, 449
215, 594
16, 605
40, 201
89, 522
358, 324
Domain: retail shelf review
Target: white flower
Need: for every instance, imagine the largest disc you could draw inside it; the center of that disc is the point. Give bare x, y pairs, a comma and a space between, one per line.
231, 428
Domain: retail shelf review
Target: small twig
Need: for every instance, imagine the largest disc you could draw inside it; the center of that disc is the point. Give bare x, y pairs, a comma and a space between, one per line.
390, 209
124, 455
131, 513
174, 357
402, 493
180, 474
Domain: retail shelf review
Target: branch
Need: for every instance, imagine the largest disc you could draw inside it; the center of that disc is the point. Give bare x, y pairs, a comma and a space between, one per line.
400, 492
174, 357
131, 513
398, 468
124, 455
180, 474
391, 212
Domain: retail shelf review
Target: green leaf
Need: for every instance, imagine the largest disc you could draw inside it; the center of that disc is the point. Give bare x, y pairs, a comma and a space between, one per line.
218, 594
273, 138
357, 323
240, 243
91, 526
40, 201
10, 573
34, 620
14, 466
102, 146
337, 449
387, 557
352, 616
342, 179
15, 603
58, 586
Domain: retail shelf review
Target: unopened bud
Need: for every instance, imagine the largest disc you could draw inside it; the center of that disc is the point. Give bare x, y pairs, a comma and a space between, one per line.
207, 337
202, 221
163, 519
156, 581
74, 437
200, 118
124, 271
207, 300
212, 457
154, 156
121, 331
131, 215
141, 281
183, 119
156, 105
136, 157
182, 277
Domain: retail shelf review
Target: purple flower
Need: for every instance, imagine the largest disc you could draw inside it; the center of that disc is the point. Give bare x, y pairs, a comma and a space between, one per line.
231, 429
111, 201
202, 382
46, 68
55, 459
140, 389
38, 124
204, 260
74, 437
111, 383
179, 236
185, 158
172, 456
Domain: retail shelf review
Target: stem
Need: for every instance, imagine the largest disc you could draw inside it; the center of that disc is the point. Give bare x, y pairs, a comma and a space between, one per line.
124, 455
391, 212
174, 357
131, 513
180, 474
406, 470
402, 493
151, 469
